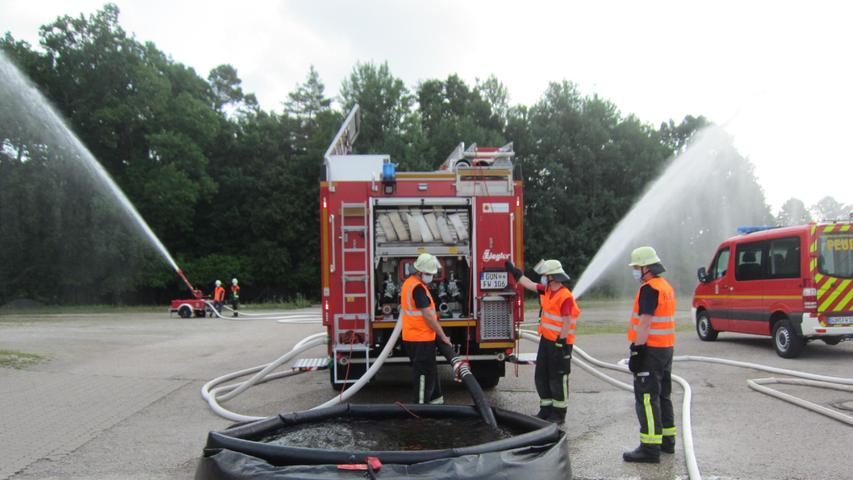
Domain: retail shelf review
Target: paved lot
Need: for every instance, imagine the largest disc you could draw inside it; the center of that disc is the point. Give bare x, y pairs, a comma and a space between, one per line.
119, 398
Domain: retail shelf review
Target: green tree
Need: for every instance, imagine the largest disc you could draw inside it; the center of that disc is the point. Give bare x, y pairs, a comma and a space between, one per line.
828, 208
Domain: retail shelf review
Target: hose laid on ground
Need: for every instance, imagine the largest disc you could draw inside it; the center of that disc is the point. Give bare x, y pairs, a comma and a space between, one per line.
263, 373
295, 318
686, 426
806, 379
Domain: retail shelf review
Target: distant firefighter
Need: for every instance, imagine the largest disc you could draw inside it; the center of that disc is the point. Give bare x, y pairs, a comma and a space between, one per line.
218, 297
235, 295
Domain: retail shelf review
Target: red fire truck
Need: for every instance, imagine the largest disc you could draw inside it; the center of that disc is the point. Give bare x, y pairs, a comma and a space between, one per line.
375, 221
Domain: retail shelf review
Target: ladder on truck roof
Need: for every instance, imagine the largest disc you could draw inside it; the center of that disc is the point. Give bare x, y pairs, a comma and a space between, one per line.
352, 325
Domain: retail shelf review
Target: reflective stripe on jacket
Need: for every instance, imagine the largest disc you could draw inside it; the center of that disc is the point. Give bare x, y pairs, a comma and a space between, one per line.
662, 329
415, 326
551, 322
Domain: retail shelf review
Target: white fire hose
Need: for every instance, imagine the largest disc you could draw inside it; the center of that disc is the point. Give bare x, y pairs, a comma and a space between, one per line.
213, 393
295, 317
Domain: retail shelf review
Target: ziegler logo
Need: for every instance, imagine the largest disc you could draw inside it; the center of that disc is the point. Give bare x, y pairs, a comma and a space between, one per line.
488, 255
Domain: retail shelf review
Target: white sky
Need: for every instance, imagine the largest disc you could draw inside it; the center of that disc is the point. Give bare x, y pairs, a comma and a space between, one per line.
777, 74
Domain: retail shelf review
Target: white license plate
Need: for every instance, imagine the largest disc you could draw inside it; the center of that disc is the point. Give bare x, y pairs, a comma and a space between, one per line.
839, 320
493, 280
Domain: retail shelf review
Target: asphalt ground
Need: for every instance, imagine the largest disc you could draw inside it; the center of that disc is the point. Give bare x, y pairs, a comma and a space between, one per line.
118, 397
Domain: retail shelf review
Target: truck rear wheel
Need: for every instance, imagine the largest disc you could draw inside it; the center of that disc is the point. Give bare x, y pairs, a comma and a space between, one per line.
704, 329
787, 342
185, 311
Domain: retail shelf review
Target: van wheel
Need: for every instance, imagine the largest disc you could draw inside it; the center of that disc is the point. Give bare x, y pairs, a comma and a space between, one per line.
185, 312
786, 341
831, 340
704, 329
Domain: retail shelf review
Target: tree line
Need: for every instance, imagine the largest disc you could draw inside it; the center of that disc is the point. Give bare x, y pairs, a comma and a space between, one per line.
231, 188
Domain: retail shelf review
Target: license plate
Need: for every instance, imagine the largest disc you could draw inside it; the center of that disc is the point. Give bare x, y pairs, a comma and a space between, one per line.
839, 320
493, 280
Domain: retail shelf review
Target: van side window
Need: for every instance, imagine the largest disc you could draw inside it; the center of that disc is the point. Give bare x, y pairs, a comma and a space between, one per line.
751, 261
721, 264
785, 257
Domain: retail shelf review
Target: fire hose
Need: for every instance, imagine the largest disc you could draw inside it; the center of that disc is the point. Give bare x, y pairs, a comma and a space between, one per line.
300, 318
759, 385
214, 394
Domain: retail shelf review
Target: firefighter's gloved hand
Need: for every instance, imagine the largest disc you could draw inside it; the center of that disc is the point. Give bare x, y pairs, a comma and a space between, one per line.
635, 361
564, 351
511, 269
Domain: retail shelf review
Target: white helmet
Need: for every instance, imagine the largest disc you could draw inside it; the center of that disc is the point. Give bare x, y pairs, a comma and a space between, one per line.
552, 267
427, 263
218, 283
233, 281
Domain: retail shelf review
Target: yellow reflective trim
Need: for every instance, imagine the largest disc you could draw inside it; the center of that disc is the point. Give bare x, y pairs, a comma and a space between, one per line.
545, 402
835, 293
824, 289
844, 302
813, 265
421, 389
497, 345
650, 418
668, 432
437, 401
651, 439
828, 228
846, 227
814, 227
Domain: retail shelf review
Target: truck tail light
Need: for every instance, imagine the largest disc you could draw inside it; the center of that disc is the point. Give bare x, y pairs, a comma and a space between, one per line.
810, 299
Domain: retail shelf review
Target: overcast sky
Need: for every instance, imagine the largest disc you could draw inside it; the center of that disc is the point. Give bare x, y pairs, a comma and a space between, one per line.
778, 75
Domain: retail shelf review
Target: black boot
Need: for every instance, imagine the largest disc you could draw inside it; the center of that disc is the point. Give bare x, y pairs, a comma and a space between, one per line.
558, 415
544, 412
668, 445
643, 454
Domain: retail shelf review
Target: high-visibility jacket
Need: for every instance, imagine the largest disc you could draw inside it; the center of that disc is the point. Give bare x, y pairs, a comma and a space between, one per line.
235, 291
551, 321
662, 330
415, 326
219, 294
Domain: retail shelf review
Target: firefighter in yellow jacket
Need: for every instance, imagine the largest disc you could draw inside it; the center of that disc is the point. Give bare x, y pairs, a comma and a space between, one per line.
652, 335
421, 328
557, 323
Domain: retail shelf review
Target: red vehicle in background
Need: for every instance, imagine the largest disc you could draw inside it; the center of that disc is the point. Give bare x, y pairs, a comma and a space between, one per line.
793, 283
186, 308
375, 222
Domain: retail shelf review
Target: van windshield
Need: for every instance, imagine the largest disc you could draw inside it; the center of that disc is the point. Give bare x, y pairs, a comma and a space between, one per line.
835, 252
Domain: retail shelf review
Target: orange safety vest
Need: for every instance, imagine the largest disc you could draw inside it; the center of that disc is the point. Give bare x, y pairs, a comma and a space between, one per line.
551, 322
235, 290
415, 327
662, 330
219, 294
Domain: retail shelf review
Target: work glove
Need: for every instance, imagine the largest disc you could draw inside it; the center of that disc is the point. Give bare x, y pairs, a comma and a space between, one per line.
564, 350
513, 270
635, 361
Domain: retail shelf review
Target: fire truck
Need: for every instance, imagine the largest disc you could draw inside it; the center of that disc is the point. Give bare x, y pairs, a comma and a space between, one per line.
375, 221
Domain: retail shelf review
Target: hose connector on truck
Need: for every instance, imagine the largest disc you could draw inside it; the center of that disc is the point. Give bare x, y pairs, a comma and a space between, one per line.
375, 221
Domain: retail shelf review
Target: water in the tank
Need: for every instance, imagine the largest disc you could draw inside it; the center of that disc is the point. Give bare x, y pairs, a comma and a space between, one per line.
390, 434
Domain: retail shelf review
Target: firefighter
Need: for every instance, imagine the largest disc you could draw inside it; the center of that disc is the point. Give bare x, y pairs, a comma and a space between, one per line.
235, 295
420, 329
218, 297
557, 322
652, 336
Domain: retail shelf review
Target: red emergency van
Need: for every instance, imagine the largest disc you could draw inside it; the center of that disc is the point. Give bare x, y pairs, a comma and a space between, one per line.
793, 283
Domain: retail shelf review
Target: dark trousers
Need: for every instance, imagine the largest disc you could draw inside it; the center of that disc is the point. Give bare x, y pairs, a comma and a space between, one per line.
235, 303
652, 391
551, 375
425, 384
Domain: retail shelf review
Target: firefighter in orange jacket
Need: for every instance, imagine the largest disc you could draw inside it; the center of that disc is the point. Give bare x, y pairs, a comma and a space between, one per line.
420, 329
652, 336
557, 323
235, 296
218, 297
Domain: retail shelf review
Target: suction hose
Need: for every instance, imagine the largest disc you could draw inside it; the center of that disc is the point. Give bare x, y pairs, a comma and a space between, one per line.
464, 372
